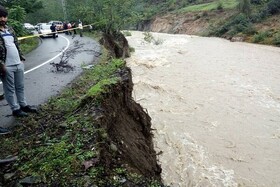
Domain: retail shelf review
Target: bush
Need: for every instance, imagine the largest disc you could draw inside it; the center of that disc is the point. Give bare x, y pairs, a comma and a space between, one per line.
260, 37
276, 39
234, 25
245, 7
148, 37
220, 6
273, 7
256, 2
259, 16
250, 30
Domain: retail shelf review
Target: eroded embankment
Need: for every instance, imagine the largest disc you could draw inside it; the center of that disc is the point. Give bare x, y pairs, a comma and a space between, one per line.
93, 133
129, 129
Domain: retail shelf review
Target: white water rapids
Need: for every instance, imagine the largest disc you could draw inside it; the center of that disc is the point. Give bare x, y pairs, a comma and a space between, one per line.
215, 108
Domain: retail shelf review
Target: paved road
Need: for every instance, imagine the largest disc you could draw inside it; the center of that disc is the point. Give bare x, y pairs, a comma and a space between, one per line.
40, 82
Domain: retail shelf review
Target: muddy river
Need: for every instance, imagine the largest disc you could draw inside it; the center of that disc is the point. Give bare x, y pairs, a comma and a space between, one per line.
215, 108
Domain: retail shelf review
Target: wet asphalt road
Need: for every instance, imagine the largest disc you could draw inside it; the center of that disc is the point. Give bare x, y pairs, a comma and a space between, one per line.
40, 82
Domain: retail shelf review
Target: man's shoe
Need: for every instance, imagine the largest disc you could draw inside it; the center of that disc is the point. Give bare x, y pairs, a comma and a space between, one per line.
1, 96
4, 131
19, 113
29, 108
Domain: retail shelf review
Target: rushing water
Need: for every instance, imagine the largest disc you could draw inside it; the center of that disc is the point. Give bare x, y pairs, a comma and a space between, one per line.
215, 108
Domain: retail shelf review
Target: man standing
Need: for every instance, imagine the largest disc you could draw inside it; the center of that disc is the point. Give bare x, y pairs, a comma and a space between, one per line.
80, 26
53, 29
12, 69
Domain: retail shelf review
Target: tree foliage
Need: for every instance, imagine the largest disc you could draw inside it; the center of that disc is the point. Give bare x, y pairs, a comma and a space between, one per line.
106, 15
52, 10
273, 7
17, 15
28, 5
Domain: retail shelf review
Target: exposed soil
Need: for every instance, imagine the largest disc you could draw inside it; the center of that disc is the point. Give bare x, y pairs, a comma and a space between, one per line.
128, 125
129, 128
111, 123
201, 24
194, 23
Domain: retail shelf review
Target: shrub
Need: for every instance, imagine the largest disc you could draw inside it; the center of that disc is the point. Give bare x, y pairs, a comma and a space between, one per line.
148, 37
245, 7
276, 39
257, 17
220, 6
256, 2
250, 30
260, 37
235, 25
273, 7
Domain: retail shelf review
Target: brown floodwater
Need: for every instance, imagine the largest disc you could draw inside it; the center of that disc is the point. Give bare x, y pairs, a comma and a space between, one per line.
215, 108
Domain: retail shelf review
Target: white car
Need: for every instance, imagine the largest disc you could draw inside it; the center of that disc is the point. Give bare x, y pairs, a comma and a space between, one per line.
38, 25
28, 26
45, 31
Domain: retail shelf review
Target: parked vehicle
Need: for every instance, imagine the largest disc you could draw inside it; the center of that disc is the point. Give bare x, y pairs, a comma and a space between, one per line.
45, 31
59, 25
38, 26
28, 26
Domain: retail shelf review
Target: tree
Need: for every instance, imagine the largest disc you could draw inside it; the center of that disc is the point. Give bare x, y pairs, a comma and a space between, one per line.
106, 15
17, 15
28, 5
52, 10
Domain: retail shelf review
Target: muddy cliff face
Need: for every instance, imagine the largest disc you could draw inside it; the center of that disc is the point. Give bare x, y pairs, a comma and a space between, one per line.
196, 23
129, 130
126, 122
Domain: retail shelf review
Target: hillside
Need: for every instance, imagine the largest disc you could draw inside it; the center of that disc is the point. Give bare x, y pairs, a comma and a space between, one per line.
221, 19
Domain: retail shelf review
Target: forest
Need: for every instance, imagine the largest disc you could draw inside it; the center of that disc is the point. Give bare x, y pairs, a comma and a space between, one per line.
110, 16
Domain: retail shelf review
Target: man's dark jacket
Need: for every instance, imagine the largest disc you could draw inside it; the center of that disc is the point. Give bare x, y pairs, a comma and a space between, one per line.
3, 50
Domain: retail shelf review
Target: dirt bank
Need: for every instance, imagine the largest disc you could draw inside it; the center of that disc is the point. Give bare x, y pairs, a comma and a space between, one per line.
193, 23
215, 108
93, 133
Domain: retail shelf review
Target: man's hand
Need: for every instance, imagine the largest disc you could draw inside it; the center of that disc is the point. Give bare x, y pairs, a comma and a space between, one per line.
2, 70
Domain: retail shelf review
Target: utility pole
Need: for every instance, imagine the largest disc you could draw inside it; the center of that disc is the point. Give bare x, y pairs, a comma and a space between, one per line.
63, 4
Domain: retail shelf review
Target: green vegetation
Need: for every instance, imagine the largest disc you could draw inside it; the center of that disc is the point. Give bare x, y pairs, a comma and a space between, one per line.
242, 17
148, 37
17, 16
61, 145
260, 37
28, 5
226, 4
29, 44
276, 39
106, 16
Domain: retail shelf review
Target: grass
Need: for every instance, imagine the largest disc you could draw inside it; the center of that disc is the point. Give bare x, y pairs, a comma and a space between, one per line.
61, 145
53, 146
226, 4
29, 44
